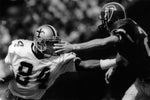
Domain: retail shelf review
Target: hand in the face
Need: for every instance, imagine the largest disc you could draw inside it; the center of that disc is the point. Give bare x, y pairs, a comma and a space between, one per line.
63, 47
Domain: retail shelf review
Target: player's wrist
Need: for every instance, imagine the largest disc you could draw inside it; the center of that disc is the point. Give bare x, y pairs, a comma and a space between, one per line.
75, 47
107, 63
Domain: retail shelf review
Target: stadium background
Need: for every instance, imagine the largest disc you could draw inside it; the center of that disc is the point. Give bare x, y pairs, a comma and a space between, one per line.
74, 20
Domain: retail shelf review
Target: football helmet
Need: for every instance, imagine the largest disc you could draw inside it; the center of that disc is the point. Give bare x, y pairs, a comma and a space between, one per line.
44, 38
112, 12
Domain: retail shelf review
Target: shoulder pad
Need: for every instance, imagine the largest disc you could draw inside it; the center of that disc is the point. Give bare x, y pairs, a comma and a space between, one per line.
16, 44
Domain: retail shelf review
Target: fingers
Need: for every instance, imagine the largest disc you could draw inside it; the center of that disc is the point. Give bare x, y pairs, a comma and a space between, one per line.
58, 44
57, 47
108, 75
59, 51
64, 42
107, 78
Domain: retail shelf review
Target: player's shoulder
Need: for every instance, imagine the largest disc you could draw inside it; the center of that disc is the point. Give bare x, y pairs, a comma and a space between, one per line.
125, 23
120, 26
19, 44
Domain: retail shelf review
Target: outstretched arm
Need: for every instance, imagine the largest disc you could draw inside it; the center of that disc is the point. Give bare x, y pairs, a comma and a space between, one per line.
67, 47
103, 63
96, 43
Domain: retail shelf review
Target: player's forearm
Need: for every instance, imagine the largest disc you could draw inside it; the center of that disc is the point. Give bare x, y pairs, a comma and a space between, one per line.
95, 43
89, 64
88, 45
103, 64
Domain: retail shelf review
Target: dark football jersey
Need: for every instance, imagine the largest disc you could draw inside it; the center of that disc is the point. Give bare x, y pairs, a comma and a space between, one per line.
133, 45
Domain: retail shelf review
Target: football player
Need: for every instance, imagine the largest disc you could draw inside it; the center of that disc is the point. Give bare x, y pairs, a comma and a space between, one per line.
130, 40
34, 66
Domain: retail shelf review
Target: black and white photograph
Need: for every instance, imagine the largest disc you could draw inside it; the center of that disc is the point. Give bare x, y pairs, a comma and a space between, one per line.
74, 50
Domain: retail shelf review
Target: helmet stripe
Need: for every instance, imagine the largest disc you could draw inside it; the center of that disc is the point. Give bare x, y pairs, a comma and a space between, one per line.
122, 7
53, 30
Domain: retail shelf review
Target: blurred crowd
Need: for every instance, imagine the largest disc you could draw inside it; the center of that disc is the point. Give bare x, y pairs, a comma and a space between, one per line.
73, 19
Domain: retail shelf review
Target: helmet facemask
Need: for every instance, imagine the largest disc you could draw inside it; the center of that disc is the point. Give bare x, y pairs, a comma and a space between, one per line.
45, 42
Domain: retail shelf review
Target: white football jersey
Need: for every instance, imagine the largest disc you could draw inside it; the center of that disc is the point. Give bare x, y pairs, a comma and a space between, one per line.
34, 76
